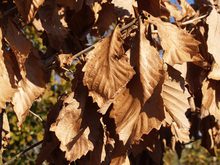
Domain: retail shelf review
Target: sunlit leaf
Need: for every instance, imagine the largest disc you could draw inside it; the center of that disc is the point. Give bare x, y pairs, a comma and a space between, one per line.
108, 75
179, 45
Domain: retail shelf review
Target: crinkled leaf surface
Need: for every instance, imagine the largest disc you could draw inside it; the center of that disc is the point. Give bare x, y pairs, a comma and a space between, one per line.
75, 141
175, 96
179, 45
111, 72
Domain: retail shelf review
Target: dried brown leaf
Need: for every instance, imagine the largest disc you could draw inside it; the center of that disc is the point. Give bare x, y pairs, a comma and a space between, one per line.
179, 45
74, 142
30, 87
150, 117
107, 16
18, 43
28, 8
122, 160
130, 102
52, 21
111, 72
187, 10
7, 82
124, 8
174, 11
175, 96
151, 6
81, 22
213, 21
50, 147
211, 99
103, 148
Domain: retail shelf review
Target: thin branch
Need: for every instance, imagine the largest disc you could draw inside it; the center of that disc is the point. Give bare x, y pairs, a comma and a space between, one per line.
84, 51
9, 11
129, 24
194, 19
23, 152
37, 116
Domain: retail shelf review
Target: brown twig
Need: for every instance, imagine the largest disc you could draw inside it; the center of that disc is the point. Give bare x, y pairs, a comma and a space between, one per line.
23, 152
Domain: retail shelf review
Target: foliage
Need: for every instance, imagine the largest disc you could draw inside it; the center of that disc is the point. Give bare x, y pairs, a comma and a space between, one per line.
132, 96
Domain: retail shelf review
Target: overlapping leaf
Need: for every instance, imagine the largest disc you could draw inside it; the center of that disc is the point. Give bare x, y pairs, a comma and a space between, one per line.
150, 117
30, 77
75, 141
106, 76
179, 45
130, 102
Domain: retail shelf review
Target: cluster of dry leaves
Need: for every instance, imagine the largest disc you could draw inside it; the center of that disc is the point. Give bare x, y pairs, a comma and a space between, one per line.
151, 83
